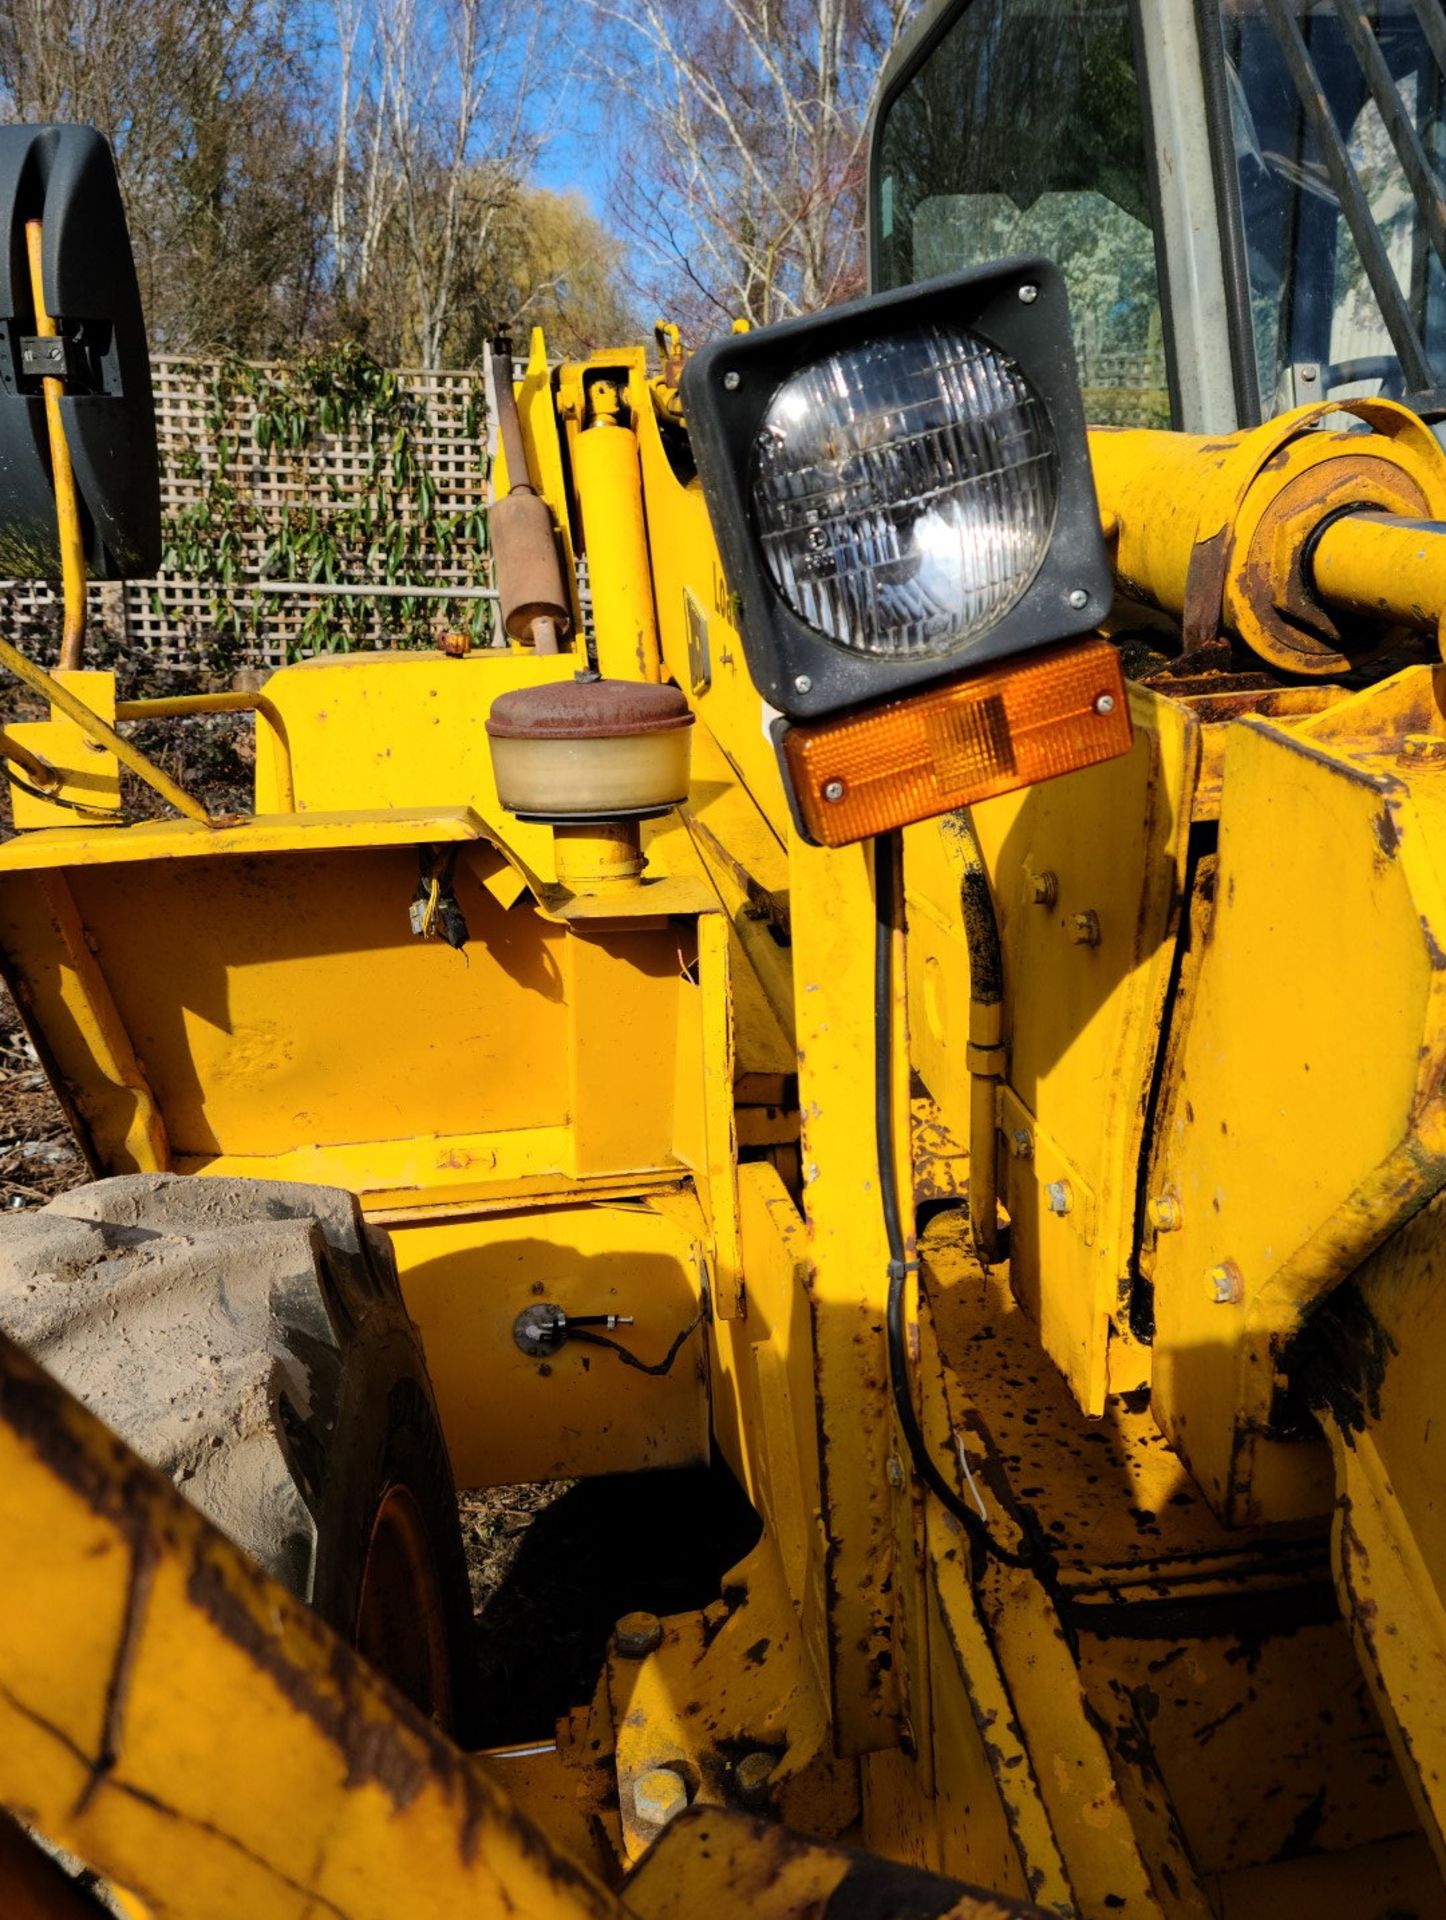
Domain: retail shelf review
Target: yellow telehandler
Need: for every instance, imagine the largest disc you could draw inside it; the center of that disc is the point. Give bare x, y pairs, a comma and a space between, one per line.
924, 995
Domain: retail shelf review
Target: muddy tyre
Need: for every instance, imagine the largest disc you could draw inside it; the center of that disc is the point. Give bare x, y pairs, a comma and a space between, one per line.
248, 1337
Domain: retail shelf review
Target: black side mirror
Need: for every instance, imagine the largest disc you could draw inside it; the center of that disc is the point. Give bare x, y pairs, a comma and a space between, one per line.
65, 178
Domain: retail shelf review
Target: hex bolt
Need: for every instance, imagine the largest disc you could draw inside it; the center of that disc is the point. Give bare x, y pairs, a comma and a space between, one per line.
1059, 1196
1029, 293
1163, 1213
834, 790
1021, 1145
658, 1795
638, 1634
752, 1775
1079, 599
1043, 889
1226, 1283
802, 683
1105, 703
1084, 928
1422, 750
731, 380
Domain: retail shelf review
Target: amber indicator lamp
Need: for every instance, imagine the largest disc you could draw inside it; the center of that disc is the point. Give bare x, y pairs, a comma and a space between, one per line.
1008, 727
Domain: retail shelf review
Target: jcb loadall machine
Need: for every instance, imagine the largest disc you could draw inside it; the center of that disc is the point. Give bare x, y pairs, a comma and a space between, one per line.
935, 1003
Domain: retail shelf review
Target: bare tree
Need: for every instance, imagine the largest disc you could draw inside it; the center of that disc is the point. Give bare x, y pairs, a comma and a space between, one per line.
203, 102
436, 128
743, 180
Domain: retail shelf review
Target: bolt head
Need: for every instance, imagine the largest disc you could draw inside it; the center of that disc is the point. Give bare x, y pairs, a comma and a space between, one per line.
658, 1796
1310, 374
638, 1634
802, 683
1059, 1196
1422, 750
1079, 599
894, 1468
1105, 703
1226, 1284
1044, 889
1084, 928
1021, 1144
752, 1775
1164, 1214
833, 790
731, 380
1029, 293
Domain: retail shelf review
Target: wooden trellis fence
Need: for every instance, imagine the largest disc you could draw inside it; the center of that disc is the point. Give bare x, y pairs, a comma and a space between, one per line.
174, 619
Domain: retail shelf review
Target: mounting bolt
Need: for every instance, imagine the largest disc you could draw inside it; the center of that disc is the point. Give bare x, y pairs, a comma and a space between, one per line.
752, 1775
1059, 1196
638, 1634
1084, 928
1029, 293
833, 790
1163, 1213
1422, 750
1226, 1284
1309, 374
894, 1468
731, 380
1020, 1144
1079, 599
1043, 889
658, 1795
1105, 703
802, 683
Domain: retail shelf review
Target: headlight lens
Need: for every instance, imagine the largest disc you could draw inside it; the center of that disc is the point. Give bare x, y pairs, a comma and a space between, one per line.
905, 491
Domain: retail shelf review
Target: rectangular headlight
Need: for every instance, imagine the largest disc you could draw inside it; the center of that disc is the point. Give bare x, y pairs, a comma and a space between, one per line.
901, 487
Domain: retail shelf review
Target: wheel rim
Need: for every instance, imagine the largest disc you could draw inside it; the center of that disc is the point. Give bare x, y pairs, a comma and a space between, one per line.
401, 1625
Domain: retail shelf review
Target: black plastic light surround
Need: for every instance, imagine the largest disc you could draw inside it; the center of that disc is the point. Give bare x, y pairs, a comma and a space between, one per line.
999, 352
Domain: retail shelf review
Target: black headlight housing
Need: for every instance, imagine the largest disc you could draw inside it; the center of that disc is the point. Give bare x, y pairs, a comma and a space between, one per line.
900, 487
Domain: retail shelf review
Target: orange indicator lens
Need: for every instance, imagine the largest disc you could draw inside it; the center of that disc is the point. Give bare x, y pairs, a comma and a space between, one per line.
1013, 726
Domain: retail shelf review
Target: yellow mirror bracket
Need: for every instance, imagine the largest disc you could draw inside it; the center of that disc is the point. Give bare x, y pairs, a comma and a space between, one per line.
67, 502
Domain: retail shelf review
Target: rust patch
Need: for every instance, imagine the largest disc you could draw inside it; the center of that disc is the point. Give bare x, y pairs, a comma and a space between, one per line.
1388, 837
1338, 1361
875, 1889
138, 1593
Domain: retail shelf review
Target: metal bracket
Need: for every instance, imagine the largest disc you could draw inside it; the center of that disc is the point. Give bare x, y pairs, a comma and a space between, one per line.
46, 356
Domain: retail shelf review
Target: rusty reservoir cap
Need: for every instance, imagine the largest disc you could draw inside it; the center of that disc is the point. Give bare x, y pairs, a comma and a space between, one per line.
587, 710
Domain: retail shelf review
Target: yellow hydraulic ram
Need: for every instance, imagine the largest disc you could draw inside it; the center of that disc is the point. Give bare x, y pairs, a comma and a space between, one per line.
1265, 535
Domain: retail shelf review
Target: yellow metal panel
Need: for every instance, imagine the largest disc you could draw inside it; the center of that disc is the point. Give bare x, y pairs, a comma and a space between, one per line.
191, 1730
1303, 1118
509, 1418
1378, 1385
91, 773
764, 1408
406, 730
834, 984
731, 1867
1082, 1018
277, 833
257, 993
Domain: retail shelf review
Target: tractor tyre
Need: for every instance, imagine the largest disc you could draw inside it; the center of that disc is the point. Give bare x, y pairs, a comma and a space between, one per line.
248, 1337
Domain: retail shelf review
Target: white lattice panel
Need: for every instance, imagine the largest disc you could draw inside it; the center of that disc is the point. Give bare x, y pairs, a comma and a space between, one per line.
173, 618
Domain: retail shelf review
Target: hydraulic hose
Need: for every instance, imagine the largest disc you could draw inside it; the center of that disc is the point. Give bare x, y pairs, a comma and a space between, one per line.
986, 1040
886, 911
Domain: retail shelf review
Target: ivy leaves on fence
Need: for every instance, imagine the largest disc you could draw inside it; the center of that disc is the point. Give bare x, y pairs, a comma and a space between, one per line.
323, 471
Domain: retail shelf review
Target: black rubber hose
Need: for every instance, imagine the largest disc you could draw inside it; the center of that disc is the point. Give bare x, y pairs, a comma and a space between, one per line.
900, 1266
